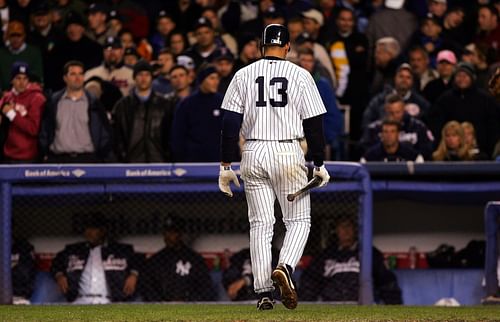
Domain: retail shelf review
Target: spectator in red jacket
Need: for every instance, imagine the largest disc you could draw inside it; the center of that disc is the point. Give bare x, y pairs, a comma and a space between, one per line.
22, 109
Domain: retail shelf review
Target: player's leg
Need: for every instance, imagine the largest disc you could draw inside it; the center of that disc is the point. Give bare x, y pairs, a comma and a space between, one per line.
260, 198
296, 214
291, 175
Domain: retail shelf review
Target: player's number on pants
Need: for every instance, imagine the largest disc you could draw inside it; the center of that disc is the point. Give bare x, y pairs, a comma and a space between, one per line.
282, 84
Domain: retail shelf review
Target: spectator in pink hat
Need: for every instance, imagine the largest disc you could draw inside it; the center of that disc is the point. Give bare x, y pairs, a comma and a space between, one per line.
446, 61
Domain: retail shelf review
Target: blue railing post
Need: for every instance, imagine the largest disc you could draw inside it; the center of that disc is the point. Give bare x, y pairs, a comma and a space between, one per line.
5, 243
366, 232
491, 215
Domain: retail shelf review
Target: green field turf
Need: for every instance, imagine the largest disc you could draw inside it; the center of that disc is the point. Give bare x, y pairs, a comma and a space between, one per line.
247, 313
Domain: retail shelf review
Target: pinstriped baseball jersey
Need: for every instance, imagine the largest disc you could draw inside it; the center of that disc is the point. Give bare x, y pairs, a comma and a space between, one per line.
274, 96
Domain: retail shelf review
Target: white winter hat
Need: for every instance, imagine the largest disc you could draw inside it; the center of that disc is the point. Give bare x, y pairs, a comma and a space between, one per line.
394, 4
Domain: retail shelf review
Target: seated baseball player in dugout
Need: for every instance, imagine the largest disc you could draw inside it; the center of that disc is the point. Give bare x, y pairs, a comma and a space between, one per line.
333, 276
97, 270
176, 272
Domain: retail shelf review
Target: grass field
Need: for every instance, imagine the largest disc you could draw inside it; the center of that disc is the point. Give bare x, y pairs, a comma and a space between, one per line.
240, 313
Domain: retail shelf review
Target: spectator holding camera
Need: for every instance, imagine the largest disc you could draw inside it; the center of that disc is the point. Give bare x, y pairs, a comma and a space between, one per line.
162, 66
22, 109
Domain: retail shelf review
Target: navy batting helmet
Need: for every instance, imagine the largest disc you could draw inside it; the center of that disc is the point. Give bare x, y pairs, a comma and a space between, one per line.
275, 35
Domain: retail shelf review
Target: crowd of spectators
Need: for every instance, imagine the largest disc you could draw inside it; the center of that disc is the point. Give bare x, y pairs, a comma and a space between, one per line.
132, 81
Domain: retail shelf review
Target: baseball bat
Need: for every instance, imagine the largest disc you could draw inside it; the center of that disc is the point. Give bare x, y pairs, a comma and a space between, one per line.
314, 182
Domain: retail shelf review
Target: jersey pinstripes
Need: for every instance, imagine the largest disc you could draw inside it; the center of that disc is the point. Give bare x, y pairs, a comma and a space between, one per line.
271, 170
274, 96
268, 82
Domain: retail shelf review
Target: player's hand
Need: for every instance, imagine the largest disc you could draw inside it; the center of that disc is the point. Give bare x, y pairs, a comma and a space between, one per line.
226, 175
234, 288
130, 283
62, 282
323, 174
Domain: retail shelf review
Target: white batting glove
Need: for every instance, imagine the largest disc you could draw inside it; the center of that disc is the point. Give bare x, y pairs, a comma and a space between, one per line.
323, 174
226, 175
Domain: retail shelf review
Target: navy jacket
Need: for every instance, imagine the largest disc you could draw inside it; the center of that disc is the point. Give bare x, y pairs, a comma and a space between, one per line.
404, 153
100, 129
119, 260
176, 274
23, 268
334, 276
413, 131
196, 128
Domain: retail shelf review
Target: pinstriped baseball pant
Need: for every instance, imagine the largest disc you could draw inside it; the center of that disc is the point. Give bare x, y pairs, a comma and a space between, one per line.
270, 170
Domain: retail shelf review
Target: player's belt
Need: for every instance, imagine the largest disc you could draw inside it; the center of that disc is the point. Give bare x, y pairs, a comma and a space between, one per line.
280, 141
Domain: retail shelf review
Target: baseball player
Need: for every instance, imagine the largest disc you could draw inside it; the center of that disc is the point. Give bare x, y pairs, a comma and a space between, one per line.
274, 103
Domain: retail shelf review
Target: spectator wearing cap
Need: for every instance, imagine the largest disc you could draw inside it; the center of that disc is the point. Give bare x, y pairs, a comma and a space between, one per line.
415, 105
165, 24
465, 102
17, 49
97, 29
141, 123
130, 57
489, 28
313, 22
187, 62
198, 121
115, 22
420, 64
75, 128
480, 57
391, 21
223, 38
112, 68
164, 62
387, 59
446, 61
22, 109
97, 270
74, 46
176, 272
224, 64
349, 55
205, 48
429, 37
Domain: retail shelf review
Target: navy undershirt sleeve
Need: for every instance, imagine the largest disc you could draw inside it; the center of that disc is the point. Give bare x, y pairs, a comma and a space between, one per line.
231, 124
313, 130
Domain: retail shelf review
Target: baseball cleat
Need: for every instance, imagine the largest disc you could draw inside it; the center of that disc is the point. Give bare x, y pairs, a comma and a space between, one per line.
281, 276
265, 303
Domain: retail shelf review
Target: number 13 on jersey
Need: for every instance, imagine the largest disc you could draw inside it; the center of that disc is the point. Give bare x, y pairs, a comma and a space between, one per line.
281, 84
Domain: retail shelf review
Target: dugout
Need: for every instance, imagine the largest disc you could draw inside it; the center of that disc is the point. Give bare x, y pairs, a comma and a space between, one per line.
414, 205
